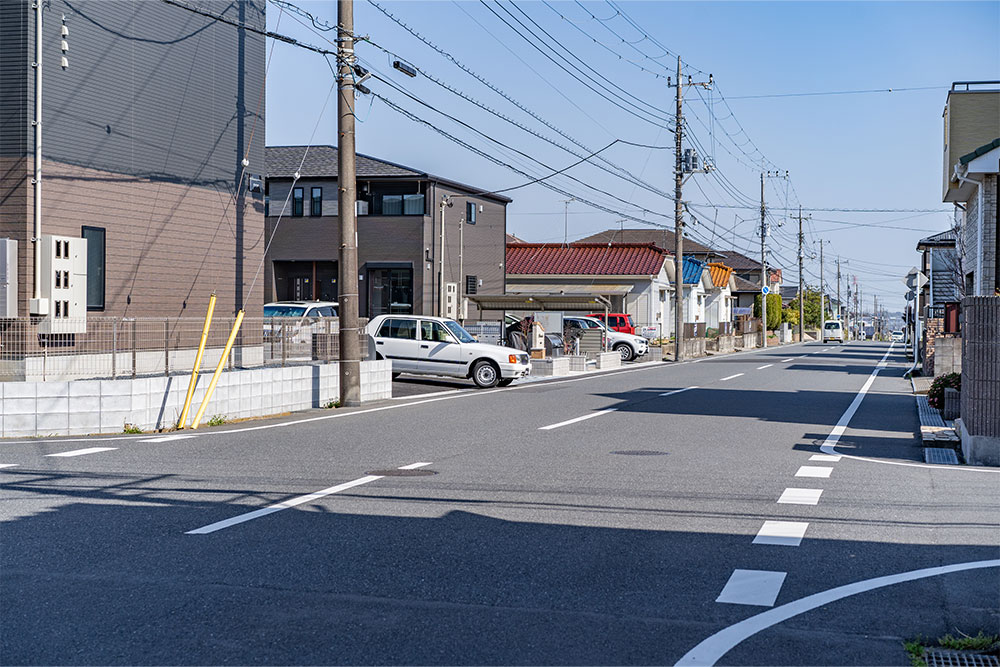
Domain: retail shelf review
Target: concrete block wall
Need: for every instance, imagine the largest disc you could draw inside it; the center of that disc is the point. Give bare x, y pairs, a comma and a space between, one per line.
981, 365
86, 407
550, 367
947, 354
609, 360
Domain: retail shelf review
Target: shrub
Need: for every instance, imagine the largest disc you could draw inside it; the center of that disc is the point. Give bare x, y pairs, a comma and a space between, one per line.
935, 397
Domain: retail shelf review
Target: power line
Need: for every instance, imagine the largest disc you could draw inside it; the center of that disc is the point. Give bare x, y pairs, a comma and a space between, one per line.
839, 92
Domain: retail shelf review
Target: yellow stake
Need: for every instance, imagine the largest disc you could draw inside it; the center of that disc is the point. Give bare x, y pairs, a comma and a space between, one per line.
218, 370
182, 422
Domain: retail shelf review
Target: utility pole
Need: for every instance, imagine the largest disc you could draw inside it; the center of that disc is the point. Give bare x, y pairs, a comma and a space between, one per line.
802, 295
678, 218
822, 291
679, 209
838, 288
763, 265
350, 338
445, 202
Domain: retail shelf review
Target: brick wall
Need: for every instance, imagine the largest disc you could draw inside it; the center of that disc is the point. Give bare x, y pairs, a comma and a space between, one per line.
987, 273
933, 328
981, 365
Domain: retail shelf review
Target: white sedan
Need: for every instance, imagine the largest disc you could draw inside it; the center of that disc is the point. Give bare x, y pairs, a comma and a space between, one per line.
425, 345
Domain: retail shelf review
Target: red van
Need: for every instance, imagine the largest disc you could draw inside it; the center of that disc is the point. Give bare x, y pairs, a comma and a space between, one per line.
617, 321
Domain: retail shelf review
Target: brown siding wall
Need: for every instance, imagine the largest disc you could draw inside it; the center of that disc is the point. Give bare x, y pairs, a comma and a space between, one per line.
981, 365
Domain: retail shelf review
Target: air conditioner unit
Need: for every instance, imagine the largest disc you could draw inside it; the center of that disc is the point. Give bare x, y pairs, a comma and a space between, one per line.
8, 278
361, 207
451, 300
64, 284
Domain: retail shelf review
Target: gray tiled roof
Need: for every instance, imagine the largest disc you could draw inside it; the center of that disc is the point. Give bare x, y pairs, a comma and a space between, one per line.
745, 285
321, 161
739, 261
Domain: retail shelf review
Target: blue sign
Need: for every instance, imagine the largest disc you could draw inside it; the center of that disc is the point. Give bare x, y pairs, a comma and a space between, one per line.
765, 290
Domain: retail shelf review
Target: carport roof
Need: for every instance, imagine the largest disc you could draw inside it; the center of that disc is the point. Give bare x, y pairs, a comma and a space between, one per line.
539, 301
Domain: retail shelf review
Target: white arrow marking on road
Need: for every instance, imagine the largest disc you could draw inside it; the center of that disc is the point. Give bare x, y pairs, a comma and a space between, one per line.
167, 438
756, 587
792, 496
713, 648
814, 471
81, 452
781, 533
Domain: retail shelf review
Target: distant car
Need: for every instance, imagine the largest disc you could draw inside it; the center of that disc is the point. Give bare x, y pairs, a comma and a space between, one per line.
833, 330
629, 346
425, 345
619, 322
297, 328
898, 336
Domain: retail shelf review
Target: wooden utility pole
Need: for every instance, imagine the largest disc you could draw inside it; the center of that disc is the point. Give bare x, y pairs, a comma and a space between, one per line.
347, 294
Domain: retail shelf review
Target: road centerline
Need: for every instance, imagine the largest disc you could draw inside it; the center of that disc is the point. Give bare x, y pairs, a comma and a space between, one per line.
731, 377
813, 471
82, 452
760, 368
577, 419
793, 496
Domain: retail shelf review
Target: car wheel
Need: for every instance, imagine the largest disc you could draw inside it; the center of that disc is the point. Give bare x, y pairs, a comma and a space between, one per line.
505, 382
625, 350
485, 375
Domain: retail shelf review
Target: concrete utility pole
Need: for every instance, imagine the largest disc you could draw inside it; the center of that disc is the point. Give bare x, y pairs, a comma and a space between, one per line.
838, 288
678, 219
822, 292
763, 265
802, 295
350, 339
679, 209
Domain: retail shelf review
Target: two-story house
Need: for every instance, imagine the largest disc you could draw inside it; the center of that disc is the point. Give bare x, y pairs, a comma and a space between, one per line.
424, 242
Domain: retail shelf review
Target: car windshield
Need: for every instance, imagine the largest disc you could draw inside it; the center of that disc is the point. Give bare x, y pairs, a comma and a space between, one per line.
628, 318
458, 332
281, 310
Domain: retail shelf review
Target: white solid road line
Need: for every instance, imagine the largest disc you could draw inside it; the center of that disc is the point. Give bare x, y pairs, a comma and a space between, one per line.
292, 502
168, 438
781, 533
81, 452
814, 471
760, 368
756, 587
435, 393
577, 419
730, 377
792, 496
677, 391
824, 457
712, 649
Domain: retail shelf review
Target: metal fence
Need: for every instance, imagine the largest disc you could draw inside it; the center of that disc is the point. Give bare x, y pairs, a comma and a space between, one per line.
111, 347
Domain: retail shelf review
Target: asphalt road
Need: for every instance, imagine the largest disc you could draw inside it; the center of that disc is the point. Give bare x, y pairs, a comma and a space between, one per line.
640, 516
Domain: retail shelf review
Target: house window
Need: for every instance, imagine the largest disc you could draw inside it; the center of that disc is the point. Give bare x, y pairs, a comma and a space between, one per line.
95, 266
471, 284
316, 201
297, 196
398, 204
470, 212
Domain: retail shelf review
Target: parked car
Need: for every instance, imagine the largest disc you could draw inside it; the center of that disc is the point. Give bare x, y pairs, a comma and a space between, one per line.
425, 345
898, 336
833, 330
629, 346
619, 322
295, 327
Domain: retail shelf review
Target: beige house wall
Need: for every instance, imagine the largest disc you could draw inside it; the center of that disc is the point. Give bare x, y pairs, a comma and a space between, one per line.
971, 120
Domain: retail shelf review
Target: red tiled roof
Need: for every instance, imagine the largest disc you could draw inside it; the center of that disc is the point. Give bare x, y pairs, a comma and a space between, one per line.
616, 259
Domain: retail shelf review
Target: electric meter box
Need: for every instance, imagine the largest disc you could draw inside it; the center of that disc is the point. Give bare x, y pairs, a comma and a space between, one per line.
64, 284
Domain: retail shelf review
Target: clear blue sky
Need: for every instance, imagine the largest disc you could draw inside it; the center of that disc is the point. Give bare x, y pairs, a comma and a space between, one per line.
877, 150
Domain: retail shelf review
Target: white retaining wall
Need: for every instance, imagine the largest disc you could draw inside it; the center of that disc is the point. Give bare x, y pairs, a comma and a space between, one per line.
84, 407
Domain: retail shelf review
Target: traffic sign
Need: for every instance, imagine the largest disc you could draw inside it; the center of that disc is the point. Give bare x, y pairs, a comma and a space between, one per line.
765, 290
915, 279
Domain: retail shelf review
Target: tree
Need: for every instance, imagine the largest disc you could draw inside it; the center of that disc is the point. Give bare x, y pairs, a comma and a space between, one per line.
791, 315
811, 308
773, 310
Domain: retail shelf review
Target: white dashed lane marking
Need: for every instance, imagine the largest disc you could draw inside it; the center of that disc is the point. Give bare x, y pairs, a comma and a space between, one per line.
577, 419
793, 496
8, 465
730, 377
814, 471
760, 368
677, 391
782, 533
830, 458
81, 452
789, 359
756, 587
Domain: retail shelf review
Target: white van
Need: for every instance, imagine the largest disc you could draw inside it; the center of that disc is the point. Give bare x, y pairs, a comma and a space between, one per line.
833, 330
